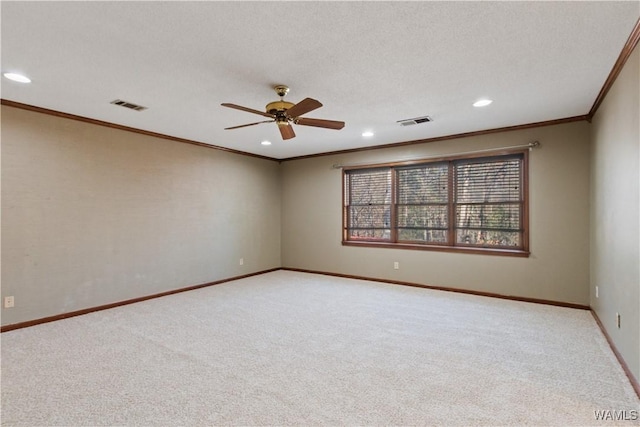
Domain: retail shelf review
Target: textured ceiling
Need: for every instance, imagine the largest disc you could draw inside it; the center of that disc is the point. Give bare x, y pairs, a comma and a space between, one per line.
370, 64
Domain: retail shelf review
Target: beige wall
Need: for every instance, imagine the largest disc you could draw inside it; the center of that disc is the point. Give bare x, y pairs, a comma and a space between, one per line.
93, 215
615, 212
558, 268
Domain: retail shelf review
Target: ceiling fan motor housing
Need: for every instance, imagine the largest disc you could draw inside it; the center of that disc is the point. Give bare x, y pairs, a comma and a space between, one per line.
278, 107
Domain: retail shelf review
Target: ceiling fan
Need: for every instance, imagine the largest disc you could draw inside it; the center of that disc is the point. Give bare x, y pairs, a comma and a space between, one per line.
284, 114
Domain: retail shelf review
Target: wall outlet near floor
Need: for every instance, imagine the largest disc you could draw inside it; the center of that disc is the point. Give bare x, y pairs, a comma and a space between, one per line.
241, 261
9, 302
618, 320
597, 294
396, 265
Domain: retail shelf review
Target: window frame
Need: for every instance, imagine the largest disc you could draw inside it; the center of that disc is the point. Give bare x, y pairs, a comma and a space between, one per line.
450, 245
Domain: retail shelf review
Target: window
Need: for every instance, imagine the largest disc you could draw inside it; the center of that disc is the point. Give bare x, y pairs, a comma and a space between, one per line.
476, 204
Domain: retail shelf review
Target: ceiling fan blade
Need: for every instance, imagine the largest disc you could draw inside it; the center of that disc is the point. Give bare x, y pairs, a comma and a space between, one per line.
320, 123
248, 110
286, 131
303, 107
250, 124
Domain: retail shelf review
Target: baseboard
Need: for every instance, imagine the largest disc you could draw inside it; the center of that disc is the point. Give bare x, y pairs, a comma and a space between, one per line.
442, 288
632, 379
28, 323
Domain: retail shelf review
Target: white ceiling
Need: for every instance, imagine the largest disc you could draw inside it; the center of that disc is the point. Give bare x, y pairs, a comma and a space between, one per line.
370, 64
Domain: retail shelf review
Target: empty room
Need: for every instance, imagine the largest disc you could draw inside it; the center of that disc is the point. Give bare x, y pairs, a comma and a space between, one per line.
320, 213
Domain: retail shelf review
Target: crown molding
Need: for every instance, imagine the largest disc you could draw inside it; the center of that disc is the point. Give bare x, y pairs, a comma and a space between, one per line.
628, 48
446, 137
60, 114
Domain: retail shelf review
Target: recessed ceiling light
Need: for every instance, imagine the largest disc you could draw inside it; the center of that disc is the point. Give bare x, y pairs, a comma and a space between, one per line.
482, 103
367, 134
266, 143
17, 77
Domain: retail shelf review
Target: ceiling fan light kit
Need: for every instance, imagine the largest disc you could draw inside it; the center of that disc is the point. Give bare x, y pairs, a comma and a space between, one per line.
285, 113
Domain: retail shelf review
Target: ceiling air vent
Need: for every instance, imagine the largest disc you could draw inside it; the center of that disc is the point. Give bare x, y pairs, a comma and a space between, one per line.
128, 105
417, 120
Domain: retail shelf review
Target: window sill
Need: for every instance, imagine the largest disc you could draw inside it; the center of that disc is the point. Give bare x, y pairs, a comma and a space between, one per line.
459, 249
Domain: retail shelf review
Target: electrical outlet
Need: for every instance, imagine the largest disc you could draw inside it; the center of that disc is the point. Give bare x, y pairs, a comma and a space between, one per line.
618, 320
9, 302
597, 294
241, 261
396, 265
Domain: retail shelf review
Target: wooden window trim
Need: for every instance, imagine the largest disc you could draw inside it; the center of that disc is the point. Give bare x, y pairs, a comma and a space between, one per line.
450, 245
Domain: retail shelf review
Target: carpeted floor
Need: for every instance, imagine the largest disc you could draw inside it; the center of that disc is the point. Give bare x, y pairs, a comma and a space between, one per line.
287, 348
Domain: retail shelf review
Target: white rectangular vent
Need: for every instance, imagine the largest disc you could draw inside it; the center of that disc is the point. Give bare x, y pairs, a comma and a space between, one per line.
129, 105
417, 120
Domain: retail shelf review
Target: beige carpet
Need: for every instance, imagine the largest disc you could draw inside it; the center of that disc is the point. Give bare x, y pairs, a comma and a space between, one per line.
288, 348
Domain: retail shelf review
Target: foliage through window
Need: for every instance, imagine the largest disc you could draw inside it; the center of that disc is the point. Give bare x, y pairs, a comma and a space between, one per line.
452, 204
